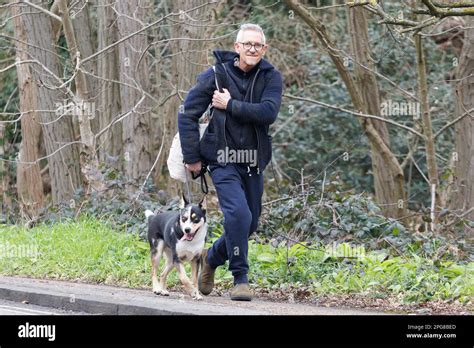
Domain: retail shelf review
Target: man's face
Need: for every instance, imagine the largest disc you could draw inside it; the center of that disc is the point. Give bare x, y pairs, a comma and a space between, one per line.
249, 57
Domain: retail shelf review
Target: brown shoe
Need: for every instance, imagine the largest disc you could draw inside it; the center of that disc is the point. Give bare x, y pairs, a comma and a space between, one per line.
241, 292
206, 277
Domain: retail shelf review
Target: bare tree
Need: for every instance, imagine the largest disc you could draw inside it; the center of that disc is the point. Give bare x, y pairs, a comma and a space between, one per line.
29, 181
89, 159
388, 181
364, 97
378, 144
61, 148
462, 195
189, 58
134, 78
5, 199
426, 117
83, 25
460, 191
109, 143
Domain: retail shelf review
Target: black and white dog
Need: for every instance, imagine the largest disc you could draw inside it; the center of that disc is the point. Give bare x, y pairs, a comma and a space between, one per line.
181, 236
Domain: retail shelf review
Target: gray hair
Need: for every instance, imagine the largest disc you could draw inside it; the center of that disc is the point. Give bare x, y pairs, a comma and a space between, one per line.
250, 26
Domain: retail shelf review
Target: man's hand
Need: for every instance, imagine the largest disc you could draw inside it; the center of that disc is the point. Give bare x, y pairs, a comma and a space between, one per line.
220, 100
195, 167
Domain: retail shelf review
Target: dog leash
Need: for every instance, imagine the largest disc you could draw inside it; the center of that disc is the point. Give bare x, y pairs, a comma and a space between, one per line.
204, 187
201, 174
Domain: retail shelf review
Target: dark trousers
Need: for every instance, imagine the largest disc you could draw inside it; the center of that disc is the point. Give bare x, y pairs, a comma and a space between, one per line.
240, 198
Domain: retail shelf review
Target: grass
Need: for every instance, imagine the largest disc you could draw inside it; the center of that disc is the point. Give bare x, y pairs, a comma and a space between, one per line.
90, 250
86, 250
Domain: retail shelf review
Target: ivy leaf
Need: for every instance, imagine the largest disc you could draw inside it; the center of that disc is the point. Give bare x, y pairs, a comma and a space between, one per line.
395, 231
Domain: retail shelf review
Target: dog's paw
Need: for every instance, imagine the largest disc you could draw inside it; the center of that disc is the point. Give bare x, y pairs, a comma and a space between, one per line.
157, 291
197, 296
160, 291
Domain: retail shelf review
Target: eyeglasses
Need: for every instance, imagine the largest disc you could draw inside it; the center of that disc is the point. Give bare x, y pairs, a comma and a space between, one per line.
249, 45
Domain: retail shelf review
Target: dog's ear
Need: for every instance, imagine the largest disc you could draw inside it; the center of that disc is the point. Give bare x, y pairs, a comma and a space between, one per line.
203, 204
184, 202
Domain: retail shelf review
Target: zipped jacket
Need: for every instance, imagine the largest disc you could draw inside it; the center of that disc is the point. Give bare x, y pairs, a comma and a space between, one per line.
255, 111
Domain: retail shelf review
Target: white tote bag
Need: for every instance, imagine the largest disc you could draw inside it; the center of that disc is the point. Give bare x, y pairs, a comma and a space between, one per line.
175, 157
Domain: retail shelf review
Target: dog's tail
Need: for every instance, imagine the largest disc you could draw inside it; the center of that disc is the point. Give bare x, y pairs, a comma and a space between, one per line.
148, 213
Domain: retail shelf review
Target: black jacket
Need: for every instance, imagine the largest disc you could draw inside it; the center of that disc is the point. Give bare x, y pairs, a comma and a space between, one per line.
255, 113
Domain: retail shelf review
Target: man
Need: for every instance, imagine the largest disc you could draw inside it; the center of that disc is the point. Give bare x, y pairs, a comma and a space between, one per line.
242, 113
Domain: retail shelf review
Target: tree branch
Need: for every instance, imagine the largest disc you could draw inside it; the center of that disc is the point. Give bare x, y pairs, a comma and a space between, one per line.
446, 126
125, 38
51, 14
358, 114
448, 10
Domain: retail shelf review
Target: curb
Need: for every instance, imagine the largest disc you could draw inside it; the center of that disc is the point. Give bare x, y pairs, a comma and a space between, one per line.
112, 300
81, 304
108, 300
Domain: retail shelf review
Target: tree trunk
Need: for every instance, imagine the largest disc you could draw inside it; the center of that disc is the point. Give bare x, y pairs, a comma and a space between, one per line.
134, 75
462, 194
425, 108
81, 20
5, 199
389, 185
29, 181
89, 160
158, 89
110, 141
63, 157
189, 59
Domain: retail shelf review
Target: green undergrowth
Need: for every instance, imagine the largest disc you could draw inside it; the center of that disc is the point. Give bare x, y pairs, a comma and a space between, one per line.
91, 250
410, 277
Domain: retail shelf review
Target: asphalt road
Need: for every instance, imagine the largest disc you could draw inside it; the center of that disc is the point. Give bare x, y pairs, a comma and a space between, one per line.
18, 308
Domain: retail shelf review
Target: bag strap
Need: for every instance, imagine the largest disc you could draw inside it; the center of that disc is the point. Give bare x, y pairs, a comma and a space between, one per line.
218, 88
221, 76
215, 78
